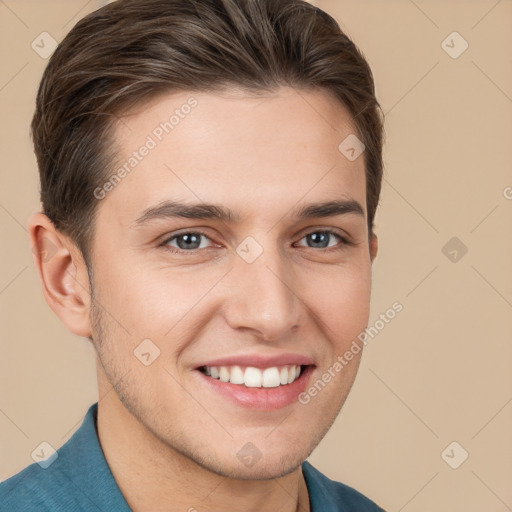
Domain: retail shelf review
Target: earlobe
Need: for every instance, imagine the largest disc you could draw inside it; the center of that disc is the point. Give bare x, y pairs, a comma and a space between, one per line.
63, 274
374, 245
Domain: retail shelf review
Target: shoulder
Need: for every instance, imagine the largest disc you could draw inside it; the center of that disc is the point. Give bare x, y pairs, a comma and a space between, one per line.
35, 488
55, 483
327, 495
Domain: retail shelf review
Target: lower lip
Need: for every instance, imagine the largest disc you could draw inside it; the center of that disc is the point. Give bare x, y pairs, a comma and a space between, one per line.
261, 398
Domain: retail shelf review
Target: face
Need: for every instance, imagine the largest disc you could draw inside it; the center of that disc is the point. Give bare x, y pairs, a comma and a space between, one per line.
219, 281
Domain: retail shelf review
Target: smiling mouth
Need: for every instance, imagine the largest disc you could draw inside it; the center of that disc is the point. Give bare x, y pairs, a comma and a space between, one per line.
252, 377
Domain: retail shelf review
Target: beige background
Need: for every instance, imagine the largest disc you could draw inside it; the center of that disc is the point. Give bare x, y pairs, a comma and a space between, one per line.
441, 371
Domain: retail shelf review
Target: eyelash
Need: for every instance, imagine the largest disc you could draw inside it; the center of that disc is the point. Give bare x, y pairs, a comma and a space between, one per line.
344, 241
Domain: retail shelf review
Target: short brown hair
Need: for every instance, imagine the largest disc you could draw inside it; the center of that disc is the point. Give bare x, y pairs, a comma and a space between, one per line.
132, 50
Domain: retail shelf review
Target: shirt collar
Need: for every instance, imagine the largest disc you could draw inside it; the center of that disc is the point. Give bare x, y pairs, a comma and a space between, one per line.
88, 469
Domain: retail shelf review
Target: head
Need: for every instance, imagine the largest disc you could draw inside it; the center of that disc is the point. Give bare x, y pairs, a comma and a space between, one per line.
205, 205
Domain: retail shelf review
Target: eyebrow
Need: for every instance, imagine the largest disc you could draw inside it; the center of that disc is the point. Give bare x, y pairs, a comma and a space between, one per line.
173, 209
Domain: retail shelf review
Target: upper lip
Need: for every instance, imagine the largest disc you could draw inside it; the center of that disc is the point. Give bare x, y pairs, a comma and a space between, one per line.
259, 360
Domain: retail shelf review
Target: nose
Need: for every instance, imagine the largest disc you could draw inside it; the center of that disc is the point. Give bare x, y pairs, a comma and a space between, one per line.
263, 297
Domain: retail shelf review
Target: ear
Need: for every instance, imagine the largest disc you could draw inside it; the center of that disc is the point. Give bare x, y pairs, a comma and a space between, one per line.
374, 245
63, 274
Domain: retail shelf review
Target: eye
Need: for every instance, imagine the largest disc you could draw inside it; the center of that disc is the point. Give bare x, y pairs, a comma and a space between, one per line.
186, 241
190, 241
322, 239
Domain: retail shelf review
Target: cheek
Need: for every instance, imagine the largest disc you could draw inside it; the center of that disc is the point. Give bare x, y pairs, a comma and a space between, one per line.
342, 302
159, 303
154, 302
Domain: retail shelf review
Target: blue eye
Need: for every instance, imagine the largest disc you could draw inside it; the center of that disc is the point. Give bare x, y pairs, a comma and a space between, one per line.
186, 241
321, 239
191, 241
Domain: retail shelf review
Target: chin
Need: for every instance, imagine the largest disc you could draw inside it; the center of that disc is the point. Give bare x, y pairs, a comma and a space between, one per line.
248, 463
262, 470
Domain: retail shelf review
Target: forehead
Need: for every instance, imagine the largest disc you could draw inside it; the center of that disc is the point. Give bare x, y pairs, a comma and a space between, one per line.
251, 152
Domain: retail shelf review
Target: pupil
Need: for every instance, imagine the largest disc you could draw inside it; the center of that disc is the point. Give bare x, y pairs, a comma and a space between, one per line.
189, 241
319, 238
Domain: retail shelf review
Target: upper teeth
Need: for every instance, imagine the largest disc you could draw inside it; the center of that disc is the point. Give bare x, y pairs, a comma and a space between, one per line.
253, 377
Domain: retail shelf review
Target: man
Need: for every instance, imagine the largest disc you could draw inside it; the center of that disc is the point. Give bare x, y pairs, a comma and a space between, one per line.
210, 172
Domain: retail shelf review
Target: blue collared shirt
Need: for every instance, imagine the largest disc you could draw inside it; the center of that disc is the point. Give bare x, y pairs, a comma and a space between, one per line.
78, 479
